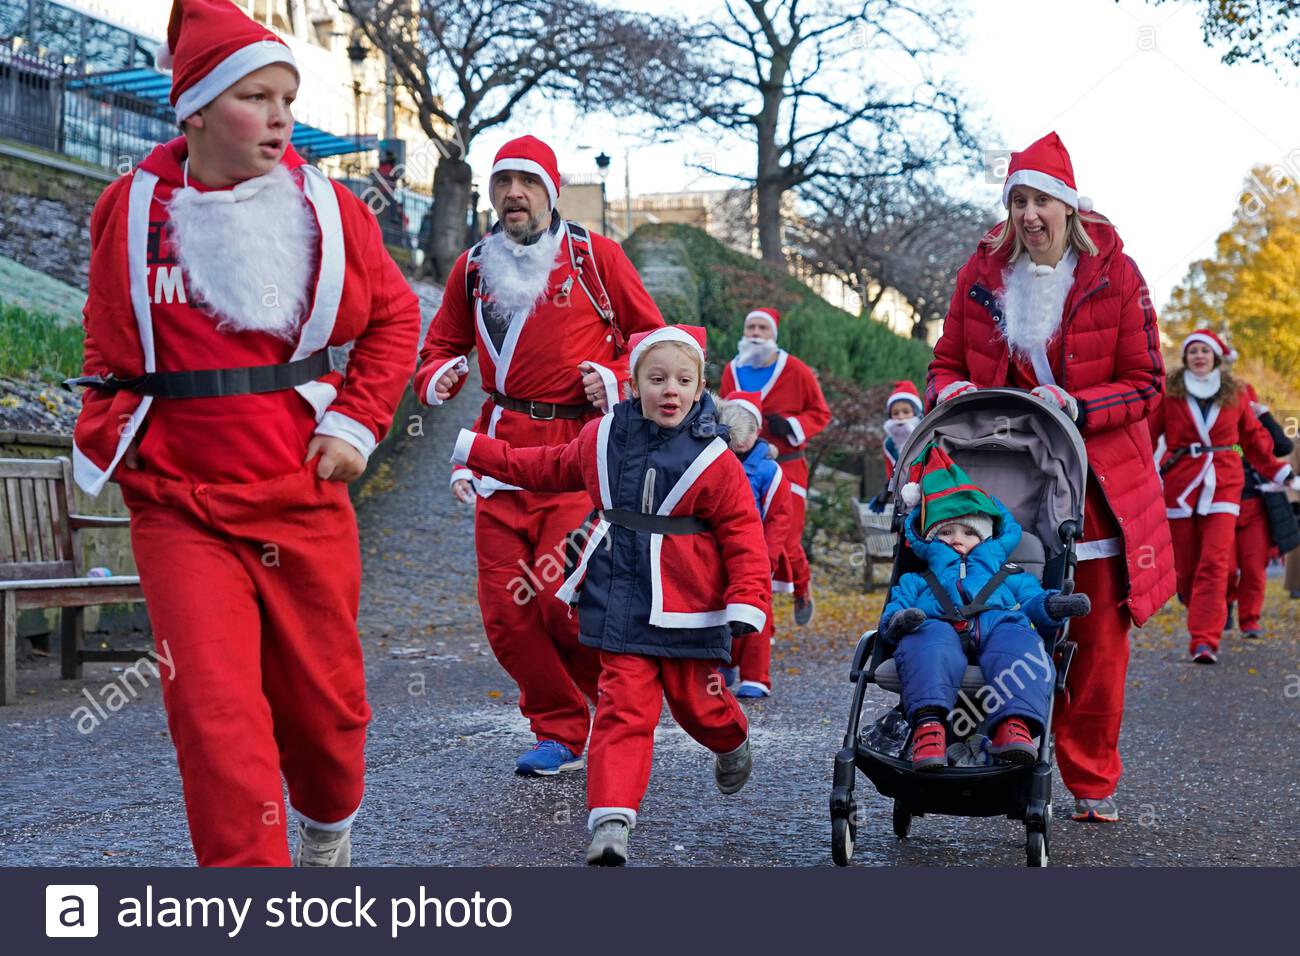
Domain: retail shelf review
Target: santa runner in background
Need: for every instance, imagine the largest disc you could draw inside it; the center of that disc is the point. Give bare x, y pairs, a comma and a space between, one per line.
794, 410
223, 251
548, 306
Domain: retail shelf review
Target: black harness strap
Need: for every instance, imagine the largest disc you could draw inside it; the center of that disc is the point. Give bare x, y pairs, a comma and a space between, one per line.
790, 456
961, 617
215, 382
655, 524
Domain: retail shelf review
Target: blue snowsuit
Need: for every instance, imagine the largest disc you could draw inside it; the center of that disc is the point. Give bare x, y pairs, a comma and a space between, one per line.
1017, 667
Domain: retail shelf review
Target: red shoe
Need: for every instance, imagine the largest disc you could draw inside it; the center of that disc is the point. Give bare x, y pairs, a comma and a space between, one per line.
930, 746
1013, 743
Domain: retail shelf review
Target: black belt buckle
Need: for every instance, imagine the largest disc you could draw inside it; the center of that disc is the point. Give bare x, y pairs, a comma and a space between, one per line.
532, 411
1196, 449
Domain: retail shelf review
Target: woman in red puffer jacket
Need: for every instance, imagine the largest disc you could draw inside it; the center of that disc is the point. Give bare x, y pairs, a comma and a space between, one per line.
1050, 303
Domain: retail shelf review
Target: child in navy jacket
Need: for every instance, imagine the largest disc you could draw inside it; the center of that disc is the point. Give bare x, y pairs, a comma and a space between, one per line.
969, 600
672, 569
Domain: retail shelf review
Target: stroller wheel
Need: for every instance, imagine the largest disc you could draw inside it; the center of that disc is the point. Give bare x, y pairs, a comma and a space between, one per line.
902, 821
1035, 849
842, 834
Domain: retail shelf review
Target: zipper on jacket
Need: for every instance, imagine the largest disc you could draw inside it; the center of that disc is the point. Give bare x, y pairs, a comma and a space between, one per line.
648, 492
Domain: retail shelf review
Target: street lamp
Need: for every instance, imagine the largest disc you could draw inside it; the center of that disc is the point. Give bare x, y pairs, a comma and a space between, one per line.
602, 164
357, 57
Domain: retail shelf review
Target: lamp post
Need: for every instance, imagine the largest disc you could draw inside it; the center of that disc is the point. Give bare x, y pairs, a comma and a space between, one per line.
357, 57
602, 164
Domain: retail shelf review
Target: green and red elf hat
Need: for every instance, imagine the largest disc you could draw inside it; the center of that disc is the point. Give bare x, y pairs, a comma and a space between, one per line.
945, 494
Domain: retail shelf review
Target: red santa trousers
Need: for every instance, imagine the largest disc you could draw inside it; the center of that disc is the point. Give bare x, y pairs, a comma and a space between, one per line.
1249, 571
800, 573
1202, 556
519, 537
252, 591
753, 655
632, 692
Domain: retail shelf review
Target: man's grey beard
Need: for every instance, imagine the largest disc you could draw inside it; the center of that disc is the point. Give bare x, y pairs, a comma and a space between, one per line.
525, 231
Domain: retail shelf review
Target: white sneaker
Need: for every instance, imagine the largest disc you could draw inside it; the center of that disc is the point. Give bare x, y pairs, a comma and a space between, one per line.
323, 847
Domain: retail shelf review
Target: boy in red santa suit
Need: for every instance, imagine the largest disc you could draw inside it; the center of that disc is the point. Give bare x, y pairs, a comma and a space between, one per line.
222, 268
670, 498
903, 411
742, 413
794, 410
547, 305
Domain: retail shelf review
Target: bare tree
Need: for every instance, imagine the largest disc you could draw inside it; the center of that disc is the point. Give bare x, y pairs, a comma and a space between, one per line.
1255, 31
470, 65
795, 76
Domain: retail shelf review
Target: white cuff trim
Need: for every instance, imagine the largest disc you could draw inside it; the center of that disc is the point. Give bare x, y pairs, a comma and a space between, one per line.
610, 381
798, 437
953, 389
461, 474
460, 363
604, 813
338, 425
337, 827
782, 587
464, 442
1283, 473
1092, 550
747, 614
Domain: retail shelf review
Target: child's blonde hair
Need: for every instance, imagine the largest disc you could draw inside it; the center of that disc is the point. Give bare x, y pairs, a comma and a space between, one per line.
682, 347
741, 423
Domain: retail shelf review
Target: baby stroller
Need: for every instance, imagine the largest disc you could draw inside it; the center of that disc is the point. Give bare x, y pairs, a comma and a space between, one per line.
1031, 457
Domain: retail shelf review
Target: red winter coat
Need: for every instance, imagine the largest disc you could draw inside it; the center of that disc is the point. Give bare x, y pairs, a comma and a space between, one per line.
540, 355
794, 394
1106, 354
358, 294
1210, 484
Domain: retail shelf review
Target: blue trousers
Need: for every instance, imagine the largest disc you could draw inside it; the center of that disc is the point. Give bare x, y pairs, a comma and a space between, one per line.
1018, 671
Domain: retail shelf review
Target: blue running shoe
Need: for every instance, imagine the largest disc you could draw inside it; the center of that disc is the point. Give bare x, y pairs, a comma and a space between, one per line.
547, 758
750, 689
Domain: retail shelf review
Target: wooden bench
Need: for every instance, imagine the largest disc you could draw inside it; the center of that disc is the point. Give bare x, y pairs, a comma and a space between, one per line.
878, 540
40, 564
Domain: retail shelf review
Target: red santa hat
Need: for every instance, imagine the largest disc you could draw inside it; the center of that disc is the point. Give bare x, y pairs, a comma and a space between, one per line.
211, 45
693, 337
528, 154
751, 402
768, 315
1045, 165
904, 391
1216, 344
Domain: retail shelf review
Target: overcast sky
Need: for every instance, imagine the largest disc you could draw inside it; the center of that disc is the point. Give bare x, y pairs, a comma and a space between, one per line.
1161, 133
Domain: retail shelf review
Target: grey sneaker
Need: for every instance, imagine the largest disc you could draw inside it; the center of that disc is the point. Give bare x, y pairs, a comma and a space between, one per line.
608, 843
1254, 634
323, 847
1105, 810
803, 610
733, 769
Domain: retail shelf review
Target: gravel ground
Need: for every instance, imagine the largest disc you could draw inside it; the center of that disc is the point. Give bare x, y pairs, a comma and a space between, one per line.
1210, 751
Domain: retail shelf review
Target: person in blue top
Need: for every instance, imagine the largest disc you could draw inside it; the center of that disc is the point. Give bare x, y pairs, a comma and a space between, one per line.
970, 601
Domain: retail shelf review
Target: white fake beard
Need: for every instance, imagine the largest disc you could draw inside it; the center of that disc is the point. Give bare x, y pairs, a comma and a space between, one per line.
516, 275
247, 252
1201, 386
1033, 298
755, 353
900, 429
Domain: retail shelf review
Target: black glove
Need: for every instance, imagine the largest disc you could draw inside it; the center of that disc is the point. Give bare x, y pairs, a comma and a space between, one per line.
779, 427
1061, 606
740, 629
904, 622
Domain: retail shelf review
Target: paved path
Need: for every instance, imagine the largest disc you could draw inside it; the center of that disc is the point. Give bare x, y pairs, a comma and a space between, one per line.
1211, 751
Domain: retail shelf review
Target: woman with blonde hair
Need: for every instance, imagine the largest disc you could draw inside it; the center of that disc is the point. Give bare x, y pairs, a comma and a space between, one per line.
1050, 303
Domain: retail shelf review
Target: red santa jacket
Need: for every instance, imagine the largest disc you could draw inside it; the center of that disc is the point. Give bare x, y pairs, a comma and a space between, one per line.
794, 394
540, 356
358, 296
1210, 483
695, 581
1106, 353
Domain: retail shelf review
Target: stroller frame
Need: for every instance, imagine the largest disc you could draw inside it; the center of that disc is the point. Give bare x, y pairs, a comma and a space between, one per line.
1021, 792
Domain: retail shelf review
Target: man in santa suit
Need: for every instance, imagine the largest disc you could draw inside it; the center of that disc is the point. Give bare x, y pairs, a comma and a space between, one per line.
221, 270
548, 306
794, 410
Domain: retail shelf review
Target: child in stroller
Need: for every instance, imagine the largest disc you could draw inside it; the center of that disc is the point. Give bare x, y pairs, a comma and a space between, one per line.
969, 600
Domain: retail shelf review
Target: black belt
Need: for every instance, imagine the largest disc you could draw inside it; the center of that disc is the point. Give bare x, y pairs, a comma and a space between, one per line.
790, 456
215, 382
542, 411
1195, 450
655, 524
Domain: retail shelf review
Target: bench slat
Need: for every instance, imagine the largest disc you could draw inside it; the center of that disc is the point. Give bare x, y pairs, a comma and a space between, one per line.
30, 468
15, 521
80, 596
22, 571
